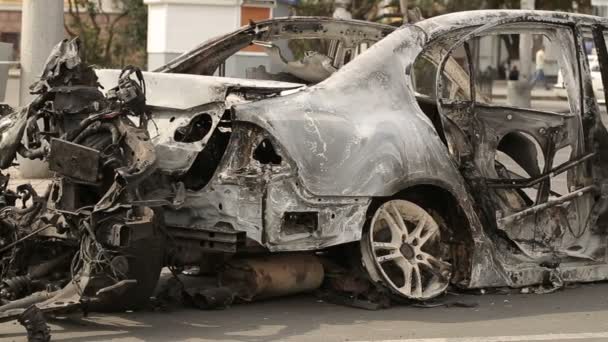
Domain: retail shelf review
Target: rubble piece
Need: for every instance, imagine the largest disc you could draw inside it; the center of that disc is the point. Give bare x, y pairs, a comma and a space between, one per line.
343, 298
552, 284
348, 283
272, 276
210, 298
446, 304
35, 324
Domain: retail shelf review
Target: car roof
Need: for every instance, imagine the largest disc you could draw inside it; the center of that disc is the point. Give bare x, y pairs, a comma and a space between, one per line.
292, 26
438, 26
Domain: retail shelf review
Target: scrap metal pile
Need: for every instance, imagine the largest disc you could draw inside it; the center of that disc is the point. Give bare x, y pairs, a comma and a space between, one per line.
84, 242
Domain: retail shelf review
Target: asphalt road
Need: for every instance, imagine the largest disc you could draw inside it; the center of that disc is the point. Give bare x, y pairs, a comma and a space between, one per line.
575, 314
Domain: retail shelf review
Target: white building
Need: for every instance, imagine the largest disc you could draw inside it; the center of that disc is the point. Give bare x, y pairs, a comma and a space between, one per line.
176, 26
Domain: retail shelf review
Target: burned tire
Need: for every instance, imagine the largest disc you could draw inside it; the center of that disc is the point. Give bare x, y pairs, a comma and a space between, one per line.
401, 251
142, 261
145, 263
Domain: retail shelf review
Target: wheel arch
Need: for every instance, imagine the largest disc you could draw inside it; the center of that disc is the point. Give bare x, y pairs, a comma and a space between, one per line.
443, 202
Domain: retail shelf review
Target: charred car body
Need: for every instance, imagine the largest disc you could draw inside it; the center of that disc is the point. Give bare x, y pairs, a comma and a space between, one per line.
210, 168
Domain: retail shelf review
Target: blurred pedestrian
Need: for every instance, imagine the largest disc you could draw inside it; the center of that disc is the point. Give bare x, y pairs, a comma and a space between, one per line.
539, 75
514, 73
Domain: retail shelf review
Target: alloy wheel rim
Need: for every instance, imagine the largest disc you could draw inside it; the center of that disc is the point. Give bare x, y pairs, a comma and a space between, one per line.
404, 243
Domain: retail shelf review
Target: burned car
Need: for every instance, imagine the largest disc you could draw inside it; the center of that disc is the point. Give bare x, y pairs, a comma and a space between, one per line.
377, 151
98, 238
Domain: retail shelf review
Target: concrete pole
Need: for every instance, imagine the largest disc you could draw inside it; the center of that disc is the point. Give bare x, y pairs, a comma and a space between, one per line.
525, 48
41, 28
519, 93
403, 8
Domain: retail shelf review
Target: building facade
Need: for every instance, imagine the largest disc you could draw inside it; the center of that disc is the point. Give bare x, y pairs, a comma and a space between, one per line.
10, 20
176, 26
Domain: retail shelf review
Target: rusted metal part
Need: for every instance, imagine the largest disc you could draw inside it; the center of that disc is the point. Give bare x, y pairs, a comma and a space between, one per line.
550, 203
35, 325
74, 160
272, 276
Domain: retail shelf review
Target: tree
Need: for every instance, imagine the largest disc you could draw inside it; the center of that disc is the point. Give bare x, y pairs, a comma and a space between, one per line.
109, 39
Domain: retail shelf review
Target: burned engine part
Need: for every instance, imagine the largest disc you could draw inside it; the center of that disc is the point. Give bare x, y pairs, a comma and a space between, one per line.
64, 67
7, 196
15, 287
189, 246
102, 251
130, 93
13, 126
272, 276
74, 160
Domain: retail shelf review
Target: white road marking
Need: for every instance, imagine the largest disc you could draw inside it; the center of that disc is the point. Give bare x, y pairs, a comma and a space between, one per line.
544, 337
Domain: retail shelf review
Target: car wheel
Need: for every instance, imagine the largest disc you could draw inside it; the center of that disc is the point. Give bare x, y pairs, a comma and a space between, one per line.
402, 250
141, 261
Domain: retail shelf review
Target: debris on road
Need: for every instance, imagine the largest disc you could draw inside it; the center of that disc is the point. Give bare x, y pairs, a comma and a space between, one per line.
35, 324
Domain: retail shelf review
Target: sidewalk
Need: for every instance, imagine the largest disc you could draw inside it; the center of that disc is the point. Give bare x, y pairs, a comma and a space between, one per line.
499, 91
40, 185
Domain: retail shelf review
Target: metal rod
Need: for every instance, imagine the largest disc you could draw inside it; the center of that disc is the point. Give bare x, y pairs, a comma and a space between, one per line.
530, 182
549, 203
24, 238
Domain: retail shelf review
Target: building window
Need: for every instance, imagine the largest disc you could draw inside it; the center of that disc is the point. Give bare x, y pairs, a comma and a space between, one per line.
249, 13
12, 38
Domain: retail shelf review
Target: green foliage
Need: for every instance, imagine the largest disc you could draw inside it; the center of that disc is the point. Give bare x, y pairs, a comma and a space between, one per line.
366, 9
429, 8
315, 8
133, 36
109, 39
